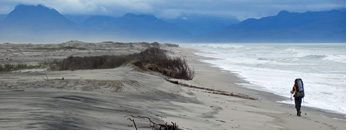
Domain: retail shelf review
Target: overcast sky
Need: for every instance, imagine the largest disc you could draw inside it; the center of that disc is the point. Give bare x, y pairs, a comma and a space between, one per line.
241, 9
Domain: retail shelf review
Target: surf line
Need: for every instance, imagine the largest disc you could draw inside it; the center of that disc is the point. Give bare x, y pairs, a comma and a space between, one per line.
212, 91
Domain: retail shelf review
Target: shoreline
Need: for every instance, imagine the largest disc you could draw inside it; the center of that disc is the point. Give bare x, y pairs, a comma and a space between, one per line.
268, 95
262, 95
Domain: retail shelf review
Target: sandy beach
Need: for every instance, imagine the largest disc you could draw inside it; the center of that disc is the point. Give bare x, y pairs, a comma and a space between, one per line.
108, 99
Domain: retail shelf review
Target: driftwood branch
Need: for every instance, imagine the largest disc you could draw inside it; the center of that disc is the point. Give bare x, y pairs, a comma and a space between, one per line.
154, 125
212, 91
134, 123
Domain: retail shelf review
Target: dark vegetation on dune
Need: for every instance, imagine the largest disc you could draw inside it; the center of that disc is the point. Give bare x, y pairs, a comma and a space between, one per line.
153, 59
15, 67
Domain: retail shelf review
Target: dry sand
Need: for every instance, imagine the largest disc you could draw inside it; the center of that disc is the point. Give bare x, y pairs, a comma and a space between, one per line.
106, 98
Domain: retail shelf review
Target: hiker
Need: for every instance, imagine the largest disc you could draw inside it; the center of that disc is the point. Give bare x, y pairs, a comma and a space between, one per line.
298, 91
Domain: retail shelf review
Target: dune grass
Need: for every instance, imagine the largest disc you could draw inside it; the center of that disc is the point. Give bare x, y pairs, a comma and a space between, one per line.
15, 67
152, 59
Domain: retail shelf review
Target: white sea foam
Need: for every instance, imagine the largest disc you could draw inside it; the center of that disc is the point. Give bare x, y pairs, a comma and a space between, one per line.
273, 68
336, 58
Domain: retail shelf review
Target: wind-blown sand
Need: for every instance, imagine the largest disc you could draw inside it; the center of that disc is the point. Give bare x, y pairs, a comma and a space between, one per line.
106, 98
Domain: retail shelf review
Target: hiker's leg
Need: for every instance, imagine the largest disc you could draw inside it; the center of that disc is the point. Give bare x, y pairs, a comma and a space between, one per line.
298, 102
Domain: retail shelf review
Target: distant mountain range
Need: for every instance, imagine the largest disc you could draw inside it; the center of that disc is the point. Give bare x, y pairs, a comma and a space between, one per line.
199, 25
35, 23
324, 26
143, 27
39, 23
38, 18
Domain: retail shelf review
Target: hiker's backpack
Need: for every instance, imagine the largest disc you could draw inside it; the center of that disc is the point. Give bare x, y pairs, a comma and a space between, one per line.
300, 88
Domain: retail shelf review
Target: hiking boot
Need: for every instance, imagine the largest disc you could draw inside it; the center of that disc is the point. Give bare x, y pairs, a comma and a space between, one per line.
298, 113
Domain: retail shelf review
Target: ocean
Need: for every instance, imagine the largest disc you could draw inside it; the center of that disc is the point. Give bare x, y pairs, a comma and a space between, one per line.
274, 67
